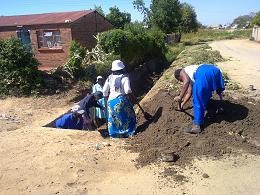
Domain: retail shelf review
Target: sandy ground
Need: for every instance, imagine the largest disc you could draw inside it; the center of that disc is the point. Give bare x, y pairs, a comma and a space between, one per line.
37, 160
244, 60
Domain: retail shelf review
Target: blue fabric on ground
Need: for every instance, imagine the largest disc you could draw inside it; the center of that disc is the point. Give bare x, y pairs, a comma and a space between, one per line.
121, 118
208, 78
69, 121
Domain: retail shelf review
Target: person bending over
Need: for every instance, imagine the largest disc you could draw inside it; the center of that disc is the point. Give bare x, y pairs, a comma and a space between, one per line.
199, 81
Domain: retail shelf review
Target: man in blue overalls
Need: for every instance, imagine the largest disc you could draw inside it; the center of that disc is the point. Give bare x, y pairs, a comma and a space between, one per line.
199, 81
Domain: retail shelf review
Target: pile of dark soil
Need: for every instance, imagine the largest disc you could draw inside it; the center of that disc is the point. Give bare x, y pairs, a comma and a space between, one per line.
237, 129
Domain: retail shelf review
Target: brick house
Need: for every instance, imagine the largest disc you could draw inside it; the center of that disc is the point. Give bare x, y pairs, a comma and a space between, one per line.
50, 34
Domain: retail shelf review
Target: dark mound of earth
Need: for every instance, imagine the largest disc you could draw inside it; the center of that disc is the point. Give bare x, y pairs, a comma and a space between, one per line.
237, 129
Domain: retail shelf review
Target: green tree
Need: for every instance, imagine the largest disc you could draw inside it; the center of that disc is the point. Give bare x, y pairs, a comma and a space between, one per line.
243, 21
99, 10
256, 19
117, 18
189, 21
166, 14
140, 6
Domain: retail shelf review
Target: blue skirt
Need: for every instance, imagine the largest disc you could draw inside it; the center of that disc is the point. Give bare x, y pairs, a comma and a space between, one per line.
208, 78
121, 118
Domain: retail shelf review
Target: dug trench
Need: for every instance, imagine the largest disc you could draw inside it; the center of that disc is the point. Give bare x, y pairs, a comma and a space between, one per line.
236, 130
230, 133
142, 79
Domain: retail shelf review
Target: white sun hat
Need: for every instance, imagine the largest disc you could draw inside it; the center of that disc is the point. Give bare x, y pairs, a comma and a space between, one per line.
99, 77
76, 109
117, 65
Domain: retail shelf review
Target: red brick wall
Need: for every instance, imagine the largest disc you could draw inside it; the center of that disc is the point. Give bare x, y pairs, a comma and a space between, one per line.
87, 26
6, 35
48, 58
81, 30
52, 58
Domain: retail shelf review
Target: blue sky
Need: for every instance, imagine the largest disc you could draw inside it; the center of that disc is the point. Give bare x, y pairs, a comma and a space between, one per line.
209, 11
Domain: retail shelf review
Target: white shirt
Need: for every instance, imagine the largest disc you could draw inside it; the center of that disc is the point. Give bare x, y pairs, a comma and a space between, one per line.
190, 70
109, 87
97, 87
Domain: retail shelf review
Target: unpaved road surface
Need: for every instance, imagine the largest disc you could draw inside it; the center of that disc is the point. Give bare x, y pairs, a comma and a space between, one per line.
244, 60
37, 160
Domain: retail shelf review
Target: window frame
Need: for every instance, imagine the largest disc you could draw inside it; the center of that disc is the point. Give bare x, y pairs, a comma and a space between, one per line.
42, 46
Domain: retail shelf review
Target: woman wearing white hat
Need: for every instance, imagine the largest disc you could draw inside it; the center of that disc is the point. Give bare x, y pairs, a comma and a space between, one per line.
121, 115
99, 113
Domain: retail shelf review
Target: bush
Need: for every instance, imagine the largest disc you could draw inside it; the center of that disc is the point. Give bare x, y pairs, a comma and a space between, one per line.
134, 44
99, 68
18, 68
76, 56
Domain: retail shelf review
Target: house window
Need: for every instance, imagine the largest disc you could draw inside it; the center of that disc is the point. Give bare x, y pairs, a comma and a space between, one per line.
49, 39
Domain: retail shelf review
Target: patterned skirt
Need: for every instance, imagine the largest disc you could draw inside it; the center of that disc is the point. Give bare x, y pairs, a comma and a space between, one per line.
121, 118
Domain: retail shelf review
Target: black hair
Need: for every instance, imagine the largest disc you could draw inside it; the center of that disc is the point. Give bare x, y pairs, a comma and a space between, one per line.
177, 73
98, 94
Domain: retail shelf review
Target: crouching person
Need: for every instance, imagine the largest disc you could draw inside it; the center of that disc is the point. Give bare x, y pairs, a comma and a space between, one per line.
91, 100
121, 115
73, 120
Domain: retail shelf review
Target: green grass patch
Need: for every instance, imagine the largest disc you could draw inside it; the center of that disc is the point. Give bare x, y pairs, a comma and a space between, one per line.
198, 54
206, 35
202, 54
172, 51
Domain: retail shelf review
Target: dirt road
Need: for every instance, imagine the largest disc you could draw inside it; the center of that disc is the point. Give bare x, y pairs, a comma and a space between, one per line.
244, 60
37, 160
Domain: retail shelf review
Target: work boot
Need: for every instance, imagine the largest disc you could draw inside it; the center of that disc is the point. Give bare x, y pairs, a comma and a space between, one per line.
194, 130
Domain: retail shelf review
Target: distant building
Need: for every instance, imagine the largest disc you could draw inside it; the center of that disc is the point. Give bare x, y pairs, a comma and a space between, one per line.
234, 26
220, 26
50, 34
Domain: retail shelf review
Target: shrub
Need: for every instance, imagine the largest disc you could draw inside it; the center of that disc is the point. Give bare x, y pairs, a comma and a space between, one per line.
76, 55
18, 68
114, 40
99, 68
134, 44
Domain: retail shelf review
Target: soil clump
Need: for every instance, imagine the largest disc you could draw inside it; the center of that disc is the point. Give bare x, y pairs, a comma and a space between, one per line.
235, 130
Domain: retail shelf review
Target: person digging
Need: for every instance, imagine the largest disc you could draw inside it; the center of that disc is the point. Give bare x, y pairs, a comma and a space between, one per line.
91, 100
200, 81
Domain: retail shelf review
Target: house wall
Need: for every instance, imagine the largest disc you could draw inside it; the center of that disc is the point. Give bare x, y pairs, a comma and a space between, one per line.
49, 58
87, 26
52, 58
6, 35
256, 33
81, 30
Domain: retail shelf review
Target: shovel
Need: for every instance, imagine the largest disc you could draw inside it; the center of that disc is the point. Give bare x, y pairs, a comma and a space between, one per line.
147, 116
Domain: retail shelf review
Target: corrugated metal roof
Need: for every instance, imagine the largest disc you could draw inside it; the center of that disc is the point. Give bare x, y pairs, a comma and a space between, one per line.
47, 18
